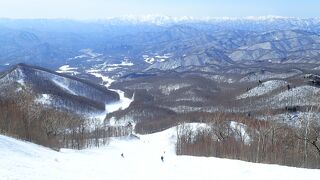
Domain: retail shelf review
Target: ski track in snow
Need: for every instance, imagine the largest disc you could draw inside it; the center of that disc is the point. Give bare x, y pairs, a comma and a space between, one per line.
23, 160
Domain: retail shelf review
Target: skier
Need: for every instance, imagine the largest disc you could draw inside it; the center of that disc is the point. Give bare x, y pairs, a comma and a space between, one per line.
122, 155
162, 158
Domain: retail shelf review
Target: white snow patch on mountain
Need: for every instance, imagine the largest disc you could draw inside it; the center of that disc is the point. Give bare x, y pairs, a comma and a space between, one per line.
167, 89
106, 80
89, 55
264, 88
149, 60
219, 78
157, 58
104, 67
16, 75
21, 82
44, 99
166, 56
23, 160
79, 57
67, 69
122, 104
301, 91
163, 20
109, 69
192, 98
299, 96
123, 63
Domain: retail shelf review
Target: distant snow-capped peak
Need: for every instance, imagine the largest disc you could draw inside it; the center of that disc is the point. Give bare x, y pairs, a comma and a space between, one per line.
160, 19
154, 19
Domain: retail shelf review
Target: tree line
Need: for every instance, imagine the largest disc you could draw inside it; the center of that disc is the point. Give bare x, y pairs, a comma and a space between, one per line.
21, 118
271, 142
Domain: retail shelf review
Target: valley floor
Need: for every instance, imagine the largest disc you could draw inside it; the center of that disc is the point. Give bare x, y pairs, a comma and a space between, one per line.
142, 160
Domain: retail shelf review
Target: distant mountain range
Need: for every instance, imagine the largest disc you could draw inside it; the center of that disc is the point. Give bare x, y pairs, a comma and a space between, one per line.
237, 22
161, 42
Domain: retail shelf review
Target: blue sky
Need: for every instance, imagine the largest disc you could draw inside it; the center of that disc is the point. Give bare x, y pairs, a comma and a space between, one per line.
99, 9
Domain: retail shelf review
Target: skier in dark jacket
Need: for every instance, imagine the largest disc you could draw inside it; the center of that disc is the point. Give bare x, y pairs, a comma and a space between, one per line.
162, 158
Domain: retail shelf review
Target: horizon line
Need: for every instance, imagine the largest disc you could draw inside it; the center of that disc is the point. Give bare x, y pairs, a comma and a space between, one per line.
165, 17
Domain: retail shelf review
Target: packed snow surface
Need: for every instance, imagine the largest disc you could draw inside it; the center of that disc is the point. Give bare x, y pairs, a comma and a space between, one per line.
23, 160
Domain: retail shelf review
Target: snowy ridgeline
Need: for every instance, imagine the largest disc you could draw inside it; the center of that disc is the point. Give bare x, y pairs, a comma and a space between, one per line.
299, 96
56, 90
255, 77
141, 160
264, 88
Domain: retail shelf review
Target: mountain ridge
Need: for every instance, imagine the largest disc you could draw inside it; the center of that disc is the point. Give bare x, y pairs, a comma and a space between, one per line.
60, 89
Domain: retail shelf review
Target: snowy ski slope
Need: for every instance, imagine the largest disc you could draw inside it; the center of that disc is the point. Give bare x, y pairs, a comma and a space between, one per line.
23, 160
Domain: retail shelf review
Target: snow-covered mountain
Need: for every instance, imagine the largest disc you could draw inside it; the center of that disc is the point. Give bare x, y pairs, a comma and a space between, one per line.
164, 20
188, 41
56, 90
